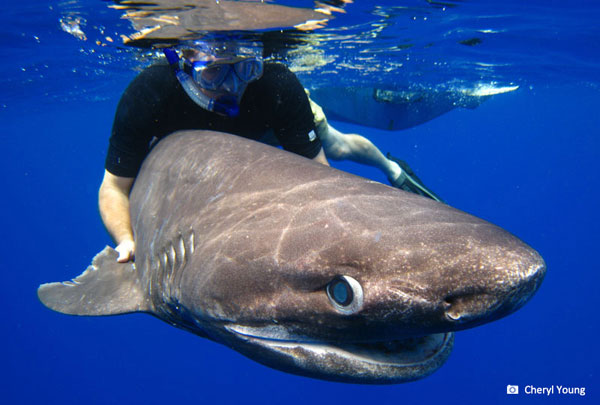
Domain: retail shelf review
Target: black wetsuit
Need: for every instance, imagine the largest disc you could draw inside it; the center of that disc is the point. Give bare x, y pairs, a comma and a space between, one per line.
155, 105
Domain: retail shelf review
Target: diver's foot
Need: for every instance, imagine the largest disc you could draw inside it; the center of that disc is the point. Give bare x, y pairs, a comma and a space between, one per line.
408, 180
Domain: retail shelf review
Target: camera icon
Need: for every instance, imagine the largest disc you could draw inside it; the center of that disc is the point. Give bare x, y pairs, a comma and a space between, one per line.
512, 389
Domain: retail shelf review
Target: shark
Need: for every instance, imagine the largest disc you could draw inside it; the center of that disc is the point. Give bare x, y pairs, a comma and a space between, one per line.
393, 109
302, 267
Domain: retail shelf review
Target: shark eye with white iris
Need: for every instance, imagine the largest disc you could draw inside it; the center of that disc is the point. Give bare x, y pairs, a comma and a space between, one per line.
345, 294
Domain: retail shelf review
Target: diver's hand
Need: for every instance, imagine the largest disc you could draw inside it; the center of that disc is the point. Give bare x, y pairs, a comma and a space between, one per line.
126, 249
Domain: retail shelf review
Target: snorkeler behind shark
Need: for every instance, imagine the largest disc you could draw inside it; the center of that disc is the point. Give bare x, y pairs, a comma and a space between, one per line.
302, 267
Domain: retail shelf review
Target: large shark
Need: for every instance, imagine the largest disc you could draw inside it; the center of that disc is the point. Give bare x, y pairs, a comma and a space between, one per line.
302, 267
396, 109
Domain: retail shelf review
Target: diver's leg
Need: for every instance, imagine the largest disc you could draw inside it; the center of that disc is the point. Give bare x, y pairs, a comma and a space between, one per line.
357, 148
340, 146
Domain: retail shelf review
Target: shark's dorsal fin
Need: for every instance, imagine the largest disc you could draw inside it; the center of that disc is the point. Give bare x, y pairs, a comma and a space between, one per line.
106, 287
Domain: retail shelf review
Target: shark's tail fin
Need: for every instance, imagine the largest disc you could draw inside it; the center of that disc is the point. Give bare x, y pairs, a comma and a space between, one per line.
105, 288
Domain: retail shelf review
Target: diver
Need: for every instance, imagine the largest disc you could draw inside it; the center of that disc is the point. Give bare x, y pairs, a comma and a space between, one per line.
221, 86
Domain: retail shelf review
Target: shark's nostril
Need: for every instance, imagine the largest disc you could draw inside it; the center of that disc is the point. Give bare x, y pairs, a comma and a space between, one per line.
467, 307
452, 308
448, 302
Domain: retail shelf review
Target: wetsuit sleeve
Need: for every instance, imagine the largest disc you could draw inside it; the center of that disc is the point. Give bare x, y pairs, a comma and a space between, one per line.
292, 118
138, 119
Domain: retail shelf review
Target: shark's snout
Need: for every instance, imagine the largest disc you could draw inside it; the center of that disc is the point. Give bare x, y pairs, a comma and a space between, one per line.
495, 293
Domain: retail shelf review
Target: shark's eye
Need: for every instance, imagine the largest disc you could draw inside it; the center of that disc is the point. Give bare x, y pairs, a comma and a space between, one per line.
340, 292
345, 294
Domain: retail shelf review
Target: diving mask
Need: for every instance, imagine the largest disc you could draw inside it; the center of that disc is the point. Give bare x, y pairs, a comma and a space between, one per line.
216, 85
211, 75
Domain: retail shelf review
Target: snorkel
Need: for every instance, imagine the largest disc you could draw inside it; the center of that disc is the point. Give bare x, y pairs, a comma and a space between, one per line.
230, 109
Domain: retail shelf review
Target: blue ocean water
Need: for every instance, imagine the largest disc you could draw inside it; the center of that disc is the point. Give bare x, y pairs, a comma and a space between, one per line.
525, 160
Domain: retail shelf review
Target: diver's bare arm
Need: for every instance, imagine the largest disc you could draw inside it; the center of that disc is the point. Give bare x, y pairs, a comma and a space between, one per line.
113, 201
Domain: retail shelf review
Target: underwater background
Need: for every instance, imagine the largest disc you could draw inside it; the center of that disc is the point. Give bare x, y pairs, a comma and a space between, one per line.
526, 160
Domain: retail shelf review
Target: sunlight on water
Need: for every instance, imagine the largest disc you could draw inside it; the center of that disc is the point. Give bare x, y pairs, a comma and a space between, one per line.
447, 45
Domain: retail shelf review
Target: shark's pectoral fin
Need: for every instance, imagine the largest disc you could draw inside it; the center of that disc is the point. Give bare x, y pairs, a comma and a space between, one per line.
106, 287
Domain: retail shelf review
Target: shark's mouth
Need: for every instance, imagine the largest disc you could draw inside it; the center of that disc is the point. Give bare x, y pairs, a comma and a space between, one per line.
384, 362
